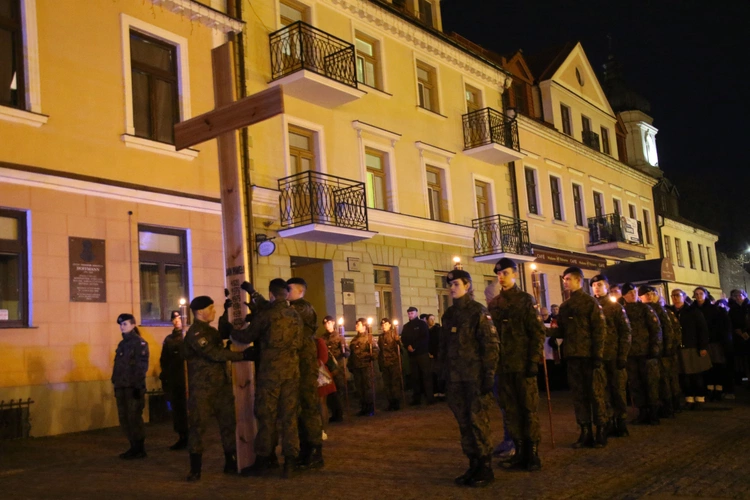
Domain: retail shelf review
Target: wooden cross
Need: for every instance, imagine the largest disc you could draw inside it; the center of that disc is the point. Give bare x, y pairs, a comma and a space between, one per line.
223, 123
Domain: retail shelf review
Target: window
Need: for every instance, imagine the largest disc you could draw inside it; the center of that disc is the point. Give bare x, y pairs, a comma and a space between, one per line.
473, 99
598, 204
632, 211
531, 190
14, 302
554, 184
605, 141
12, 71
290, 13
383, 293
668, 249
482, 190
301, 150
710, 262
443, 294
155, 94
435, 194
163, 271
425, 12
519, 94
678, 252
565, 115
376, 186
578, 203
700, 257
691, 257
647, 225
368, 68
586, 123
617, 204
427, 87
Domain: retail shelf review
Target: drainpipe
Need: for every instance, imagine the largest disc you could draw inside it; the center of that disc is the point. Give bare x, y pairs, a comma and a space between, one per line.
659, 225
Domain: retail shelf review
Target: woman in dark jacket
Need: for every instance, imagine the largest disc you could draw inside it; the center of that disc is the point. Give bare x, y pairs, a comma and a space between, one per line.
693, 354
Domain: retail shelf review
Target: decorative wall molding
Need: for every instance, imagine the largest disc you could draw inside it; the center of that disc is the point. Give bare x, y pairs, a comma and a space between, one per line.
207, 16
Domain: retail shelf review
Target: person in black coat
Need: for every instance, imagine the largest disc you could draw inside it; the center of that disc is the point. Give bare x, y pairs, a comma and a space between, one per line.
719, 337
415, 336
693, 356
173, 380
739, 306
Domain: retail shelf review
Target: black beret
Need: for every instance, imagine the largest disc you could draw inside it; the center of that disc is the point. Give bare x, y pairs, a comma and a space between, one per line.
412, 308
458, 274
573, 270
627, 288
296, 281
329, 318
175, 314
505, 263
598, 277
125, 317
644, 289
277, 283
201, 302
385, 320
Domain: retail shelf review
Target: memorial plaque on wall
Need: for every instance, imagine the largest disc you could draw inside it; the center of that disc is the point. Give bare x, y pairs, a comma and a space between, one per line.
88, 272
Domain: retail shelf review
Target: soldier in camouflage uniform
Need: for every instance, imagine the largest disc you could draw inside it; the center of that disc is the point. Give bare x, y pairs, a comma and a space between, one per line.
674, 374
363, 354
129, 379
310, 424
582, 325
468, 358
643, 358
521, 336
650, 296
336, 344
616, 348
389, 361
172, 378
210, 385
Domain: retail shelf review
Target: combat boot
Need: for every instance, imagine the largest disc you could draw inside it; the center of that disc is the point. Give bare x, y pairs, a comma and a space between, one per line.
290, 465
643, 416
315, 460
396, 404
257, 469
128, 454
533, 462
483, 474
654, 416
230, 463
139, 450
601, 437
622, 428
273, 460
338, 416
362, 410
586, 439
196, 461
518, 459
181, 443
304, 454
464, 478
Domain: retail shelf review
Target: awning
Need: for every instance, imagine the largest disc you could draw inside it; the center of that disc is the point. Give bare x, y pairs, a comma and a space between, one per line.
645, 271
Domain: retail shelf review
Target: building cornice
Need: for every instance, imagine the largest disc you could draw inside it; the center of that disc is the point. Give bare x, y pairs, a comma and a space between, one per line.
563, 140
207, 16
682, 226
422, 40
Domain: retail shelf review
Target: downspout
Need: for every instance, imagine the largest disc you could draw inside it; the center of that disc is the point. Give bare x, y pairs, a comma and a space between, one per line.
659, 225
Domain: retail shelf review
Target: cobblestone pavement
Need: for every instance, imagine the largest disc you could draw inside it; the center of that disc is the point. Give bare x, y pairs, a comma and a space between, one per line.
413, 453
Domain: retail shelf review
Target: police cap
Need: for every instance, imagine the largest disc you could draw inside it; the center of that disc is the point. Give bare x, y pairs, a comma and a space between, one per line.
599, 277
627, 288
505, 263
125, 317
573, 270
200, 303
297, 281
458, 274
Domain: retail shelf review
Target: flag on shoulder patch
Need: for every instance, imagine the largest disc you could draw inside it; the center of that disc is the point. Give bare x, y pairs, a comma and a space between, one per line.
203, 341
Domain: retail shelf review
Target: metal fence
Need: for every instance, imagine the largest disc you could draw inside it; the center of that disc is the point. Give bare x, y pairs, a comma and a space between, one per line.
590, 139
611, 228
15, 421
501, 234
488, 126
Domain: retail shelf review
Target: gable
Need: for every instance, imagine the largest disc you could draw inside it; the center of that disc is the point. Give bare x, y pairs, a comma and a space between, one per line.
576, 74
519, 68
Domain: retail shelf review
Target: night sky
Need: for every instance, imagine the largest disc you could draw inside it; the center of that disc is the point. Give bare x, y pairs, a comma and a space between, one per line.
688, 58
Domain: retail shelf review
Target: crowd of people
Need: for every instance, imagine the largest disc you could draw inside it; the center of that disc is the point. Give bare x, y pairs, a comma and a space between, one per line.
620, 343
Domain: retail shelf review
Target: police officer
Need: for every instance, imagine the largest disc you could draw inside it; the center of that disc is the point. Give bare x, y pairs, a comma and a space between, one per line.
129, 379
415, 335
363, 354
643, 358
615, 359
210, 384
582, 325
468, 361
336, 344
173, 380
521, 337
389, 361
280, 333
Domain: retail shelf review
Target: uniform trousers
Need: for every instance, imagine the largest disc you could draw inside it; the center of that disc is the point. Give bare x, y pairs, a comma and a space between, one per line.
204, 403
588, 387
130, 413
520, 396
277, 400
471, 410
643, 377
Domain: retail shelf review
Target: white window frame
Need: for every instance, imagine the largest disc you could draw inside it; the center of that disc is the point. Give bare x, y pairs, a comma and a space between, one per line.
708, 259
473, 83
491, 194
382, 63
539, 204
700, 257
594, 193
648, 237
318, 136
308, 4
32, 115
389, 157
619, 200
442, 163
629, 214
584, 218
419, 57
562, 198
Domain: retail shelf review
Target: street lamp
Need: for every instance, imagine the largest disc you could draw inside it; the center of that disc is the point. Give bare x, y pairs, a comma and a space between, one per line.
183, 313
457, 263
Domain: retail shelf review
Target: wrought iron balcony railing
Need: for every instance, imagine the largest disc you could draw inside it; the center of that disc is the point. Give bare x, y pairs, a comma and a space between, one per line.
300, 46
614, 228
314, 198
489, 126
501, 234
590, 139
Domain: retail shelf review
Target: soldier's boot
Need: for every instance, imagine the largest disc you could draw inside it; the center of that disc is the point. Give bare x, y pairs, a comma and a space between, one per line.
230, 463
181, 443
622, 428
483, 474
273, 460
362, 410
290, 465
139, 450
666, 410
196, 461
518, 459
304, 455
719, 394
601, 437
586, 438
533, 462
338, 416
643, 416
464, 478
259, 467
396, 404
129, 454
370, 410
654, 415
315, 460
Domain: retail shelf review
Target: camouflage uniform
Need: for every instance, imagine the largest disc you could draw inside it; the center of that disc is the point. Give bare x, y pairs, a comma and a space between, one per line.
468, 359
279, 332
582, 326
337, 400
388, 359
643, 358
669, 348
210, 385
521, 337
616, 348
172, 378
360, 364
674, 382
310, 424
129, 379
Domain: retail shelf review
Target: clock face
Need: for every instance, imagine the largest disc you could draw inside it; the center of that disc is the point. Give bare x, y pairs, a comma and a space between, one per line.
266, 248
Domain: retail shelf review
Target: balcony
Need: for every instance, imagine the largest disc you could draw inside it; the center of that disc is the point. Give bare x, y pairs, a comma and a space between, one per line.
616, 236
590, 139
490, 136
498, 236
323, 208
312, 65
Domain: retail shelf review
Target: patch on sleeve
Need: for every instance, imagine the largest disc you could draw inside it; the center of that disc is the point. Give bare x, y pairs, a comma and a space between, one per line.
203, 341
454, 330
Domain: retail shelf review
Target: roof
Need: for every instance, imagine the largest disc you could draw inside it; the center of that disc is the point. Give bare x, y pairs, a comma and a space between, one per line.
644, 271
544, 64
